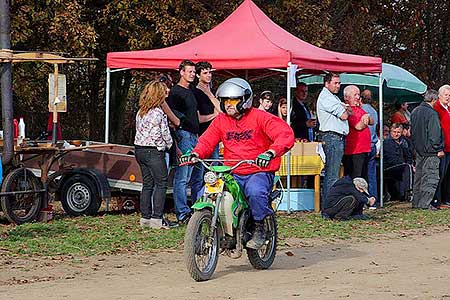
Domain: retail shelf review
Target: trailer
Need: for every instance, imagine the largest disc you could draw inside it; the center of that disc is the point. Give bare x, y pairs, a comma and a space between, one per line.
86, 178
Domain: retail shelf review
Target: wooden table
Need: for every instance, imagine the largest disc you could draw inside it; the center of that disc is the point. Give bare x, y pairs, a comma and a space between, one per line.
307, 163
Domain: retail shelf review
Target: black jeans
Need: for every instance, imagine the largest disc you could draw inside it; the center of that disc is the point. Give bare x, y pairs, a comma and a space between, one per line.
399, 181
344, 208
355, 165
154, 181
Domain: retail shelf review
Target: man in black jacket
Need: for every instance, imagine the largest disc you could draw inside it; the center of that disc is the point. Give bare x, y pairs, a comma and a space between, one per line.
426, 135
397, 164
346, 199
302, 121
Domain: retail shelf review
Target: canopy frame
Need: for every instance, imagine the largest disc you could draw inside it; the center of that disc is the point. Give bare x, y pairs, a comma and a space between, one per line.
288, 71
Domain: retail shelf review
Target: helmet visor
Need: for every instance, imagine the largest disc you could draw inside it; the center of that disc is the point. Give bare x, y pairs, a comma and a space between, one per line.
232, 101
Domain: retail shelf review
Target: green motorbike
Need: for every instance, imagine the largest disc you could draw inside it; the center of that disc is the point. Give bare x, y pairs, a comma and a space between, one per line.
222, 223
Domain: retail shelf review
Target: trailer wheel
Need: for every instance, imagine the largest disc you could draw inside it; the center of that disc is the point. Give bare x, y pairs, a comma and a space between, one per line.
79, 196
21, 208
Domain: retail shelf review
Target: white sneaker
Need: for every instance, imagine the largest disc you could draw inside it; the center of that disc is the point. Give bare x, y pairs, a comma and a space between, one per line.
144, 222
157, 224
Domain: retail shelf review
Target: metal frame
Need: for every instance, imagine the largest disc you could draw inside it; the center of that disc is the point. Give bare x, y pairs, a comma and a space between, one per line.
288, 95
380, 116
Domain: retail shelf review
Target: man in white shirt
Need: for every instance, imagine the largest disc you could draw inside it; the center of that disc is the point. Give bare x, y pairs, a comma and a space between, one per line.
332, 114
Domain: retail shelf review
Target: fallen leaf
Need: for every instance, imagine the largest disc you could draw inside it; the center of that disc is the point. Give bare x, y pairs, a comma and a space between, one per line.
289, 253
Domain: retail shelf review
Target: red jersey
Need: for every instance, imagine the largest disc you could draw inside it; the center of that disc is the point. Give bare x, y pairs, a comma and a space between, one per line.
398, 117
357, 141
444, 117
257, 131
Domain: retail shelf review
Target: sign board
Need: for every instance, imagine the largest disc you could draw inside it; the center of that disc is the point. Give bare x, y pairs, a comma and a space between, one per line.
62, 105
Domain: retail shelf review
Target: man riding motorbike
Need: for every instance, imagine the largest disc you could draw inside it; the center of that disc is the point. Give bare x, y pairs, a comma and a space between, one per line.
247, 134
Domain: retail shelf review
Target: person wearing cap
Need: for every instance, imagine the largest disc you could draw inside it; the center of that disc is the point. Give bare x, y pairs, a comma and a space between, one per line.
346, 199
266, 101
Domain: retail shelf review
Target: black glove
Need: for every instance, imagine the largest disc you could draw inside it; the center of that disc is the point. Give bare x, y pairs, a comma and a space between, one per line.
264, 159
185, 158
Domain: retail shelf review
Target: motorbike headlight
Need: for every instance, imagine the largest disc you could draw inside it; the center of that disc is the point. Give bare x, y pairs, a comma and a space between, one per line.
210, 178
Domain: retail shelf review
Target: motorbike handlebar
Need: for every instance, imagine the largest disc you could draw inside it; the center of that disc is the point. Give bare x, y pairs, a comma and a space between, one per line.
205, 162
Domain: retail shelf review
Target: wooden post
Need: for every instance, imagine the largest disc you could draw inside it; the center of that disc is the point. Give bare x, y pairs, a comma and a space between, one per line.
317, 193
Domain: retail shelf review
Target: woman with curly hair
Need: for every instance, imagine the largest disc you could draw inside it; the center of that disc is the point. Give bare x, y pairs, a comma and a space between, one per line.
151, 142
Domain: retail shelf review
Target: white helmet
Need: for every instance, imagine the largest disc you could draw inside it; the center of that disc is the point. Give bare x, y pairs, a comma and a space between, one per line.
235, 88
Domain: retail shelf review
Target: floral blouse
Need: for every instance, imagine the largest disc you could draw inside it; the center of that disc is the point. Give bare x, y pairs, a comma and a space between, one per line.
152, 129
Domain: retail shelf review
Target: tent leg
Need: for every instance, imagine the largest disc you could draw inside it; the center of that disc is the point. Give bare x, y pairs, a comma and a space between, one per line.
107, 93
380, 109
288, 156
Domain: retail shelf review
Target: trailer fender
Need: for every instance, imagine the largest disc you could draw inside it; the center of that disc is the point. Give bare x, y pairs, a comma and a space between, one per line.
100, 180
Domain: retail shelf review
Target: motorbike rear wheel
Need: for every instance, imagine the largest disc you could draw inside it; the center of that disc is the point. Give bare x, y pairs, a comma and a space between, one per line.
201, 246
263, 258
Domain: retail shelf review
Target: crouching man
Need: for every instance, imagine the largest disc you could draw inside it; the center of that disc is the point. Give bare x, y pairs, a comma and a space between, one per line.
346, 198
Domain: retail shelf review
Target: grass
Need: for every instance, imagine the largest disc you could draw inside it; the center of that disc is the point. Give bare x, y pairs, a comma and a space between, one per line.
113, 233
394, 219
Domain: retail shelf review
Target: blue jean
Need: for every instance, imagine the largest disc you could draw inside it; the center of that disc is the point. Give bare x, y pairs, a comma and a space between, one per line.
372, 172
334, 151
186, 142
257, 188
197, 177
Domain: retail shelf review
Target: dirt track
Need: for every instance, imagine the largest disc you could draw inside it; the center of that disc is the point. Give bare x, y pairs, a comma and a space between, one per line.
409, 267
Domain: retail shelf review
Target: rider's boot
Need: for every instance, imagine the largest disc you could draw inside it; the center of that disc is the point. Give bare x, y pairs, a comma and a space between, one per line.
259, 236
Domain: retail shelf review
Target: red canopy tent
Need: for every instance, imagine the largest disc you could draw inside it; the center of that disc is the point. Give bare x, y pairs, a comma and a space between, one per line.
247, 39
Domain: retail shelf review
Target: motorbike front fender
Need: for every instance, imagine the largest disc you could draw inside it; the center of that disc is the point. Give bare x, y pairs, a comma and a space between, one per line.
199, 205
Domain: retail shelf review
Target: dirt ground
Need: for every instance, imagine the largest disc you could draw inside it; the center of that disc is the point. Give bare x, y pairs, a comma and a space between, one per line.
410, 266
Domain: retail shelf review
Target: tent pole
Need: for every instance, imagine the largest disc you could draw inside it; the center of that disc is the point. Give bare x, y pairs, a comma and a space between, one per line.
108, 88
288, 156
380, 109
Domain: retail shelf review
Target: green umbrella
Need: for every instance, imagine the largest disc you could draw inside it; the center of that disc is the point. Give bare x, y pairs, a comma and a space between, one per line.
399, 85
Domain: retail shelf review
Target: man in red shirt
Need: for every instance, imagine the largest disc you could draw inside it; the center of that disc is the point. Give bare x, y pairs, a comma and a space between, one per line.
441, 106
358, 141
247, 133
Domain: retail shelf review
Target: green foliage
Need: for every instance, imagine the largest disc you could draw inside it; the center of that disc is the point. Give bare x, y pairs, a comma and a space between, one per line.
94, 28
308, 20
412, 34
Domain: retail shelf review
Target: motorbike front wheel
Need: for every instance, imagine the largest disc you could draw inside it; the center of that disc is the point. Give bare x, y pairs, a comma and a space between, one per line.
263, 258
201, 246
